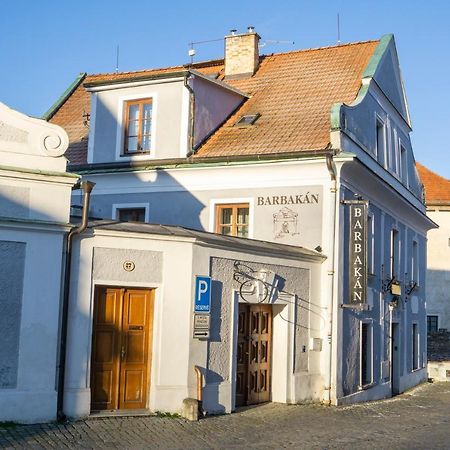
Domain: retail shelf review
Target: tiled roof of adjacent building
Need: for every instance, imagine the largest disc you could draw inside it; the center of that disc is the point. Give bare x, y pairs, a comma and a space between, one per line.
293, 92
437, 188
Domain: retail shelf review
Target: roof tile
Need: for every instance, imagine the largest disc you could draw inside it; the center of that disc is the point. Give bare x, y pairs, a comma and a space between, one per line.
437, 188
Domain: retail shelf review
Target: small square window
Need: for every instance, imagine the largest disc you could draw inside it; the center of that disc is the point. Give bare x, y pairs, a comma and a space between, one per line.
247, 120
232, 219
131, 214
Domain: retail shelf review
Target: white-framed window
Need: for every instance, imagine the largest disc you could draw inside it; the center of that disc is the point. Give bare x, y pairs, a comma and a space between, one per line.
366, 353
415, 346
403, 164
381, 141
415, 261
131, 212
136, 127
232, 216
394, 253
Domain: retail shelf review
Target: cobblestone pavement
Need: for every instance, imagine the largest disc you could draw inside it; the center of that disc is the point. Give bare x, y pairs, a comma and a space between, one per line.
418, 419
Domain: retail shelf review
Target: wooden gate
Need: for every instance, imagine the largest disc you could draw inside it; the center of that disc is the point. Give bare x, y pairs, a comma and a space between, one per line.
254, 352
121, 348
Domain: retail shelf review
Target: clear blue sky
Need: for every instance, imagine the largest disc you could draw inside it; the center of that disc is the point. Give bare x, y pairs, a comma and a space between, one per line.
44, 45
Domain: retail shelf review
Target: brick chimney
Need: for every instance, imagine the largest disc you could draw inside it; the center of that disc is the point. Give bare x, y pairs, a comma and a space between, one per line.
241, 53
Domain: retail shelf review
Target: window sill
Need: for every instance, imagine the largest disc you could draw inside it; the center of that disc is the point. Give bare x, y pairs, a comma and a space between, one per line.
136, 156
367, 386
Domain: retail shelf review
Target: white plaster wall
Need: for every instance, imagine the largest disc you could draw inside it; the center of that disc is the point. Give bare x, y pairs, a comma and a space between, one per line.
34, 398
171, 329
438, 267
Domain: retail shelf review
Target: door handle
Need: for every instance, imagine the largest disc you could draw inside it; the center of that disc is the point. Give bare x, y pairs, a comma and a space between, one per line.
122, 353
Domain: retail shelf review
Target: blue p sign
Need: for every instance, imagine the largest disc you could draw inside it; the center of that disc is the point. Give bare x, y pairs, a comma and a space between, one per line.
202, 301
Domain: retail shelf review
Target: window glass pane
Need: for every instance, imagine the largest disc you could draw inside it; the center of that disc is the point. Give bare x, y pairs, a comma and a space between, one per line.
242, 231
133, 112
226, 216
146, 142
133, 128
146, 128
132, 144
225, 230
242, 216
147, 111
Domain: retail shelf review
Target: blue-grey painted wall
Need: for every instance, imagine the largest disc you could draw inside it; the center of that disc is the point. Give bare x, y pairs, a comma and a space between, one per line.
12, 264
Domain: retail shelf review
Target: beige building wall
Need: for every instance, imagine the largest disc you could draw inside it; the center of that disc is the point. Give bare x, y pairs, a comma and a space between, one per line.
438, 262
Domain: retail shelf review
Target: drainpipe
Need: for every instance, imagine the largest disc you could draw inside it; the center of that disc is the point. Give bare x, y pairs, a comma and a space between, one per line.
191, 115
86, 187
331, 275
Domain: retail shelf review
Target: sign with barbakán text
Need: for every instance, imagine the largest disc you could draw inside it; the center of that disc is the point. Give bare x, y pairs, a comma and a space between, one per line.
358, 252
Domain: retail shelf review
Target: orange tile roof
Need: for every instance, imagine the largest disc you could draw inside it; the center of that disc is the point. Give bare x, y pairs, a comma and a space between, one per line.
293, 92
437, 188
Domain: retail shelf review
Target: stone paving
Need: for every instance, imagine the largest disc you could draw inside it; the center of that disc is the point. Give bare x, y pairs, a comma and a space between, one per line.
418, 419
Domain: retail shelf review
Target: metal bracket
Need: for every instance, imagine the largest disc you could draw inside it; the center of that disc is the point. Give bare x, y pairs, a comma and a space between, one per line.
358, 306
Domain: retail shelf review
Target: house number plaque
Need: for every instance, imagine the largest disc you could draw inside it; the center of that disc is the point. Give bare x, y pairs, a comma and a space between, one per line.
128, 266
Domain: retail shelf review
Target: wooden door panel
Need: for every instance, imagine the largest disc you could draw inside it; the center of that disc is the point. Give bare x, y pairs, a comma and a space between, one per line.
242, 356
253, 374
260, 354
135, 351
105, 348
133, 388
121, 348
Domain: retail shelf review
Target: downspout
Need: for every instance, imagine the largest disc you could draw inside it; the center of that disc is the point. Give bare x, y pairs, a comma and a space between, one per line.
191, 115
331, 274
86, 187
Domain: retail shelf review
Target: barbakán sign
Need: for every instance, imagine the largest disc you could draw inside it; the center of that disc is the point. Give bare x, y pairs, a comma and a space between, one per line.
358, 252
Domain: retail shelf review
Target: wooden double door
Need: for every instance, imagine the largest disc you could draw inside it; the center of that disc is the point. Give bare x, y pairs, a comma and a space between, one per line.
254, 354
121, 348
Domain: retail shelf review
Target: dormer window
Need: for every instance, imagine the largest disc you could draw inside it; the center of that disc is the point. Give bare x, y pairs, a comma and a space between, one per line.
138, 125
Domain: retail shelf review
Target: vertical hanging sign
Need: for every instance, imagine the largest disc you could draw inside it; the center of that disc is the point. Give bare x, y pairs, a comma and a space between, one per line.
358, 252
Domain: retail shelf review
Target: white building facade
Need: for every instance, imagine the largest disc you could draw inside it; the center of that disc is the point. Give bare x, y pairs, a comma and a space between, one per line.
238, 147
35, 193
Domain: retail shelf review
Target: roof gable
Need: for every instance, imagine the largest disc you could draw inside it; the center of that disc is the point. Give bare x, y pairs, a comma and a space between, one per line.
385, 70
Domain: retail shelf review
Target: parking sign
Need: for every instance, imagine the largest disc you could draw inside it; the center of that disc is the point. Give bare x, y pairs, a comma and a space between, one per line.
202, 301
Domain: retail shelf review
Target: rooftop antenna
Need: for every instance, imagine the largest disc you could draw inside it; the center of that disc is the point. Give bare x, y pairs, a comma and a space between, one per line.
117, 58
338, 30
271, 41
191, 51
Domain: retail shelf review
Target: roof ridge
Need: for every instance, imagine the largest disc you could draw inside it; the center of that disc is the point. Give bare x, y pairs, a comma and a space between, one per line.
325, 47
218, 61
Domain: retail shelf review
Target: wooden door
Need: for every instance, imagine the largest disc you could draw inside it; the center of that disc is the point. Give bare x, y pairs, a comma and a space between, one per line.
253, 380
121, 348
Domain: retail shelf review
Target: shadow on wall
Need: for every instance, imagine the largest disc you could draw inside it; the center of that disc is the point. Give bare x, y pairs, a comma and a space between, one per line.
176, 206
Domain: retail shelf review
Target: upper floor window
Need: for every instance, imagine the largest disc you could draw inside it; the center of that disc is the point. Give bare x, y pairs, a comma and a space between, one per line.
403, 165
395, 253
381, 142
138, 124
415, 262
232, 219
